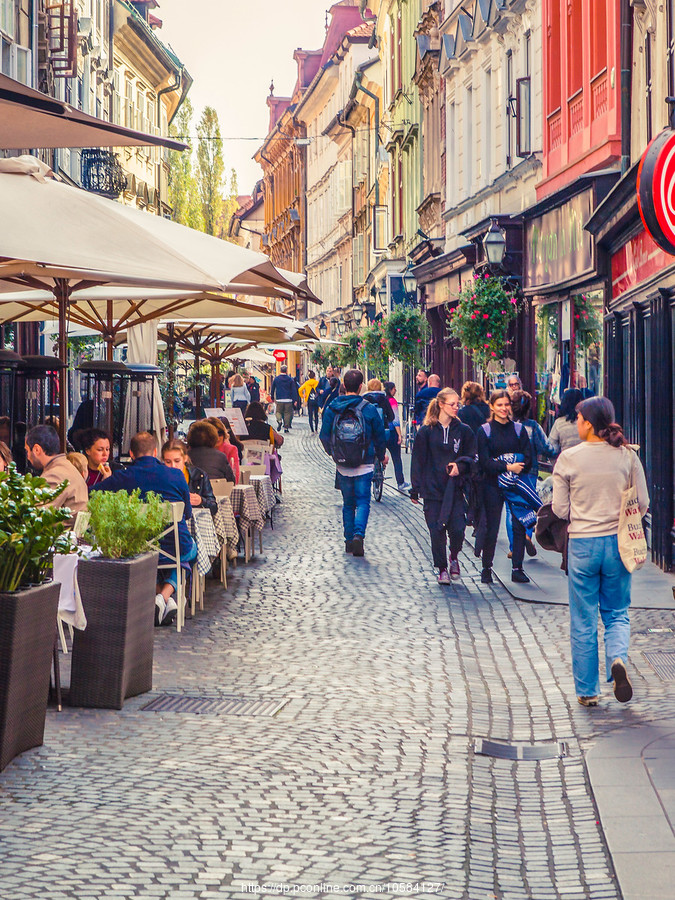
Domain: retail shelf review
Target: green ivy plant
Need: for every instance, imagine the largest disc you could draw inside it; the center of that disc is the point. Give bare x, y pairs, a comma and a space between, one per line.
30, 532
122, 525
480, 321
376, 349
407, 334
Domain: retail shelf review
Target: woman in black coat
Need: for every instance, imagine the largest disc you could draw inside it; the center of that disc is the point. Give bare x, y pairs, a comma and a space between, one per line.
497, 437
474, 411
443, 453
175, 455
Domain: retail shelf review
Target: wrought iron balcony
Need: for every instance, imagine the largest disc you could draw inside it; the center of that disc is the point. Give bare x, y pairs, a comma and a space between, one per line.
102, 173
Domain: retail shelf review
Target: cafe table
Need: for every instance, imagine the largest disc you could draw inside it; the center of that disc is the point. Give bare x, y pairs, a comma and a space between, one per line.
262, 485
245, 505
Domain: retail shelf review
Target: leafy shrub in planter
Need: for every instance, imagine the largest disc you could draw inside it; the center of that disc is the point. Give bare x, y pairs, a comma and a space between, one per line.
122, 525
30, 532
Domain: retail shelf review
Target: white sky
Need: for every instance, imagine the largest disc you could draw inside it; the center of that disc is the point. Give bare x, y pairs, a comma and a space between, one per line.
233, 49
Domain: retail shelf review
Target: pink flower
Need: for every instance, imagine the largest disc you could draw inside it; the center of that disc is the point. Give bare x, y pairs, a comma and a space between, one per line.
486, 346
488, 334
473, 315
513, 300
493, 353
486, 316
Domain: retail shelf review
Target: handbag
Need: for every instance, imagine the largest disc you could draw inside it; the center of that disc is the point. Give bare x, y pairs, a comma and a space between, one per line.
631, 535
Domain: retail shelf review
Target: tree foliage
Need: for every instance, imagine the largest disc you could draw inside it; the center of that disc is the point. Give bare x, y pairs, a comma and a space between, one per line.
210, 170
183, 190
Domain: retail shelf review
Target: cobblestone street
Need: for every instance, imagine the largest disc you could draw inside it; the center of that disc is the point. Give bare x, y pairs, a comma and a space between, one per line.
368, 774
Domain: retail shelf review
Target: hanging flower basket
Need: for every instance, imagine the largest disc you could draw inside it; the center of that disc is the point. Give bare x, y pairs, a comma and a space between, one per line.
376, 349
407, 333
324, 355
350, 354
481, 319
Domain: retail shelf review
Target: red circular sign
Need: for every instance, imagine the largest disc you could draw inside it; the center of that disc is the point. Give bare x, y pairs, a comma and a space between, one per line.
656, 189
279, 355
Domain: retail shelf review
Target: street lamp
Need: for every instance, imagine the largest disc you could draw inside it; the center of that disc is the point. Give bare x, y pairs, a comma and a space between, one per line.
409, 282
494, 244
359, 310
323, 329
341, 325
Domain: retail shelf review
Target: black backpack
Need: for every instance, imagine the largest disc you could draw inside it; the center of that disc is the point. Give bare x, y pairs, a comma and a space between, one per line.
349, 439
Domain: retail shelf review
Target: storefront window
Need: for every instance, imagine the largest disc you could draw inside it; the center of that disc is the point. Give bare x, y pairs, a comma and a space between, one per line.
547, 375
588, 335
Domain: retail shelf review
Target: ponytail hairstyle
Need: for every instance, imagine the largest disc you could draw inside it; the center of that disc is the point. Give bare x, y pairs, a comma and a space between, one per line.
434, 408
497, 395
599, 411
520, 405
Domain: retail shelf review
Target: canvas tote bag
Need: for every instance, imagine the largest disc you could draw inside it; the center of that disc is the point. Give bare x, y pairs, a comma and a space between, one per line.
631, 535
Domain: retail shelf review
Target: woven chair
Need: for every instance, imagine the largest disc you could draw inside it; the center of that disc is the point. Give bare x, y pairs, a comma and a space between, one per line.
222, 488
177, 509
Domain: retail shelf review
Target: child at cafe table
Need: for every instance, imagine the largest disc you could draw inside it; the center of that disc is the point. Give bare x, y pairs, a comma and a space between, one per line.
147, 473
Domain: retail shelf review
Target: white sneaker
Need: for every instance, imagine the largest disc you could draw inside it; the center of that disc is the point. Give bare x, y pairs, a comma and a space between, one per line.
160, 608
170, 612
403, 488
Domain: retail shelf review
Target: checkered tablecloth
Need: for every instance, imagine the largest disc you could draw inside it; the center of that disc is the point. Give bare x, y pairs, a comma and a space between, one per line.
226, 526
245, 505
262, 484
206, 538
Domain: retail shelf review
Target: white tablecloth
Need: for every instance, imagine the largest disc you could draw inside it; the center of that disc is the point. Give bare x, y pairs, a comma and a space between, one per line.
70, 601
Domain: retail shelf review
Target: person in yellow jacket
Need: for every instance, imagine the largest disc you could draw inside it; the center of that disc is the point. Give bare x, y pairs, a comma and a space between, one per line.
309, 395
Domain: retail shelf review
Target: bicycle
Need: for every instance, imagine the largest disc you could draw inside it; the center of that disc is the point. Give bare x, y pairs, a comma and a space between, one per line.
378, 480
410, 434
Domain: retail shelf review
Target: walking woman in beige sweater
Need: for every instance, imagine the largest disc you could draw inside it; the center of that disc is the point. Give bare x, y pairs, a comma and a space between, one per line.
588, 481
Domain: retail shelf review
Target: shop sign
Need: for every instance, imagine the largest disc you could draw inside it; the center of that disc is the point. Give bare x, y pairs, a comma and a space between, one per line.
557, 246
279, 355
655, 185
637, 261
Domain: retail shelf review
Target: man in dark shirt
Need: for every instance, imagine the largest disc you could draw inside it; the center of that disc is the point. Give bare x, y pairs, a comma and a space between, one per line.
285, 395
150, 475
424, 397
253, 388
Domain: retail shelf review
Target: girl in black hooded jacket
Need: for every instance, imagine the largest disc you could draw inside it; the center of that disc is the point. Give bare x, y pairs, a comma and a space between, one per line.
443, 453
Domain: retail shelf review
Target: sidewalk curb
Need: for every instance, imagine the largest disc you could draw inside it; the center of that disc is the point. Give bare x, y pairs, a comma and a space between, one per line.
632, 777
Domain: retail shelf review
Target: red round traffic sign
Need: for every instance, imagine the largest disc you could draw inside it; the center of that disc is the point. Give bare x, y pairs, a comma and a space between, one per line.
279, 355
656, 189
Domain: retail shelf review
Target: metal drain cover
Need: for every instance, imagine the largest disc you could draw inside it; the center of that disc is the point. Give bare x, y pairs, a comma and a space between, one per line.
662, 662
209, 706
520, 751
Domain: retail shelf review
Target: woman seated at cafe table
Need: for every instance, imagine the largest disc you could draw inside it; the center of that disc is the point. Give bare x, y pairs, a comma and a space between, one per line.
258, 427
202, 440
175, 456
226, 446
94, 443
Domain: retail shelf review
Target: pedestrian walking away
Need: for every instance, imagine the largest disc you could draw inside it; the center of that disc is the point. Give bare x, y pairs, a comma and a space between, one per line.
285, 396
443, 454
588, 483
240, 396
541, 446
503, 446
564, 433
309, 393
352, 433
395, 437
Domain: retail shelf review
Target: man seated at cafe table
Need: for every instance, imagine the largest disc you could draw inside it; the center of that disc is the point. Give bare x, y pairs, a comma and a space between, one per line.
43, 449
147, 473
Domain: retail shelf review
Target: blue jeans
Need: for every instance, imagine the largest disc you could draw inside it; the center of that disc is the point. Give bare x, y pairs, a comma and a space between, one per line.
170, 576
355, 503
598, 580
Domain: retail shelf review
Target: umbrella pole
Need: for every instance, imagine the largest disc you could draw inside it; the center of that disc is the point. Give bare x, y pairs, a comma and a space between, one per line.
198, 385
62, 295
171, 347
109, 353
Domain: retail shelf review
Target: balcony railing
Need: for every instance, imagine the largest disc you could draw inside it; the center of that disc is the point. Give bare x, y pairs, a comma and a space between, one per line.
102, 173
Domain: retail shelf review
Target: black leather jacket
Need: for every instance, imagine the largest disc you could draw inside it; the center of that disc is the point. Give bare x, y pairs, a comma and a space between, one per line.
200, 483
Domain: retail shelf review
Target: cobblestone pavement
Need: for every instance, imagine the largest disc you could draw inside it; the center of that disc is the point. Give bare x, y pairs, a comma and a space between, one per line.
368, 774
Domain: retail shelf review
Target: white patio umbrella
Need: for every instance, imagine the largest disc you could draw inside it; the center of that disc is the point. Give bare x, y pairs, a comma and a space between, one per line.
62, 239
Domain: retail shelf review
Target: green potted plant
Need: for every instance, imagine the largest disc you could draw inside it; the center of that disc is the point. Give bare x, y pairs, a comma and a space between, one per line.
407, 333
112, 657
30, 534
480, 321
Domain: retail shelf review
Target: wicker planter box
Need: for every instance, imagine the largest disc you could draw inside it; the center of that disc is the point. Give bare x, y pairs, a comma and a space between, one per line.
112, 657
27, 631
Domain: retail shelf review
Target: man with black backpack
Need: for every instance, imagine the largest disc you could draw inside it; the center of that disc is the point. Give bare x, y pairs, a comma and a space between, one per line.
352, 433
